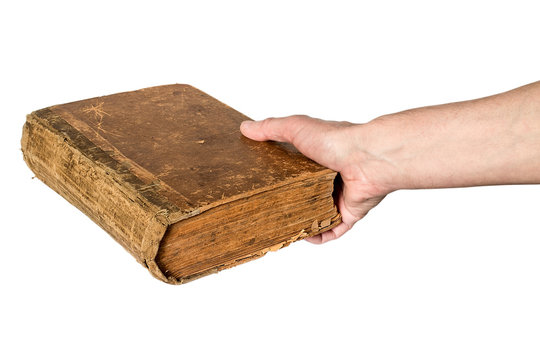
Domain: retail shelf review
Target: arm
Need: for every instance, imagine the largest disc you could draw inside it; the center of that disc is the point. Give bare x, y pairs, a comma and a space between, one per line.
489, 141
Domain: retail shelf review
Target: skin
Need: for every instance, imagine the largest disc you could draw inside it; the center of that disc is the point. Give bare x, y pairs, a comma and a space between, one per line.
489, 141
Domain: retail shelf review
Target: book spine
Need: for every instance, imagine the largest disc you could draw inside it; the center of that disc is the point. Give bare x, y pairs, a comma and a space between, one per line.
89, 179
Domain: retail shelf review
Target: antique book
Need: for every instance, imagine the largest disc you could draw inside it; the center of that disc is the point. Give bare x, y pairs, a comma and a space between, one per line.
167, 173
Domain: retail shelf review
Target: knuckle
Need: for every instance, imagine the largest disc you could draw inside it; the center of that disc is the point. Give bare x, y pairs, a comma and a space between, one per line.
267, 125
300, 117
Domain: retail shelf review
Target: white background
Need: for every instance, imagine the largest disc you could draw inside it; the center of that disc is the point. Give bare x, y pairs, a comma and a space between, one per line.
437, 274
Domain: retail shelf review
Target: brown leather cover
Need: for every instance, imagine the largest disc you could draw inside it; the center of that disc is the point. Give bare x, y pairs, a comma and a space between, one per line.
172, 150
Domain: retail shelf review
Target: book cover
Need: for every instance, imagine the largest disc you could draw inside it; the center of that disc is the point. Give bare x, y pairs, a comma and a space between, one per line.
167, 173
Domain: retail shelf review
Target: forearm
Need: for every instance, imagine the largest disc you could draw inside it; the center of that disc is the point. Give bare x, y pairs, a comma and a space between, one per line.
489, 141
493, 140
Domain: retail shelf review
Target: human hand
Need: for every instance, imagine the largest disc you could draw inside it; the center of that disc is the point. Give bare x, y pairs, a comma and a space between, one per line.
489, 141
336, 145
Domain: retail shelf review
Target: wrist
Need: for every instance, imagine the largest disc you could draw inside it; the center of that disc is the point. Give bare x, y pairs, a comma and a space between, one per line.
371, 150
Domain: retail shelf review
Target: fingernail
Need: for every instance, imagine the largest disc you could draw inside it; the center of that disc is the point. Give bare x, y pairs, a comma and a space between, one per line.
246, 124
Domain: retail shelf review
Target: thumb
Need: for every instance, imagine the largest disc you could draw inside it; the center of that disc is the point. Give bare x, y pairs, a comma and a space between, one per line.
314, 138
277, 129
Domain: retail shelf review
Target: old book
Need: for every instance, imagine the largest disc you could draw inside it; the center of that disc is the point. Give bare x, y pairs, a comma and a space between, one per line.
166, 172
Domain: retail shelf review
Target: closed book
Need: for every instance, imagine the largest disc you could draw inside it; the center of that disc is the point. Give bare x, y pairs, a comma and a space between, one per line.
167, 173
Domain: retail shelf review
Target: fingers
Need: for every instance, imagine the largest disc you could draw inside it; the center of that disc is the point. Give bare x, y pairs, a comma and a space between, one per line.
309, 136
329, 235
277, 129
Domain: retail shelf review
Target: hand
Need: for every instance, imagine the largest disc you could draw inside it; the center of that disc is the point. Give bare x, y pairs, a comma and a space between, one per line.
490, 141
335, 145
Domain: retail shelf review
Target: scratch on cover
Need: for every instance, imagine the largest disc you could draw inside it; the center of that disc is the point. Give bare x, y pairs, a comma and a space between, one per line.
98, 112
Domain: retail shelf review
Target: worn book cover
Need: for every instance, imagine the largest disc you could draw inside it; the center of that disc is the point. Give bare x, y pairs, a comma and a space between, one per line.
167, 173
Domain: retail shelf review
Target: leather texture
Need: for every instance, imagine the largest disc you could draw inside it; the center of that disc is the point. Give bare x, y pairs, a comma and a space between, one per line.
184, 145
166, 172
